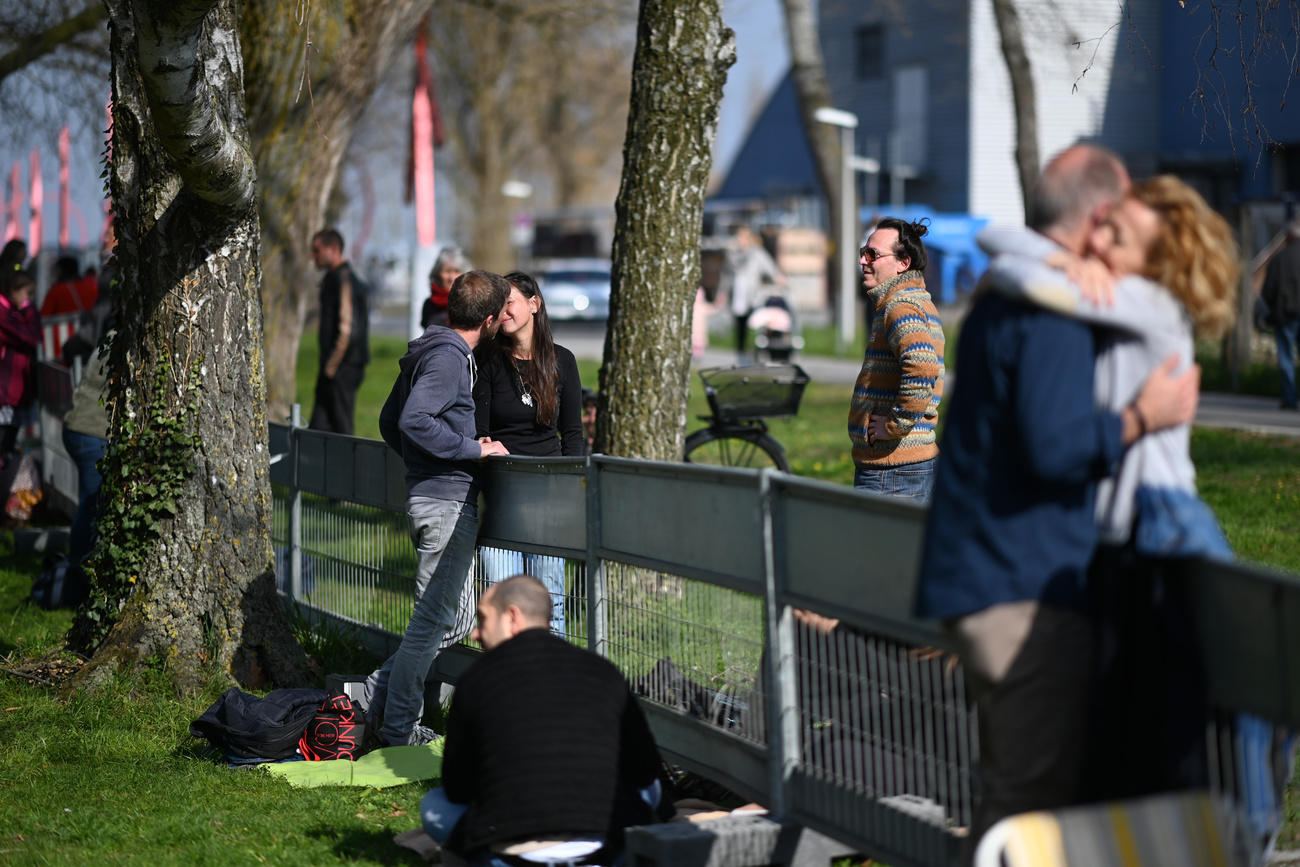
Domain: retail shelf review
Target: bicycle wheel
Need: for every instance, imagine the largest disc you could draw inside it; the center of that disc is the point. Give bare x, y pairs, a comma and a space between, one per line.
735, 449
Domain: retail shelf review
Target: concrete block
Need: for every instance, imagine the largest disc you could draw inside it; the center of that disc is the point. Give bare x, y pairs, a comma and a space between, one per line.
738, 840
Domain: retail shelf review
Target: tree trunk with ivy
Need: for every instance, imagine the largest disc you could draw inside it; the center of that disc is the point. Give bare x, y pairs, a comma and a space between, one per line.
682, 56
182, 574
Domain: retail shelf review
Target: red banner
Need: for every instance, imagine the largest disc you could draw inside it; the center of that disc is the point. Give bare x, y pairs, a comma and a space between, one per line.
63, 189
14, 211
37, 236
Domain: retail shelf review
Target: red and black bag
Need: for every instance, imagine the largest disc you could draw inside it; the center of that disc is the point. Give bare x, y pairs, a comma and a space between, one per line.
337, 731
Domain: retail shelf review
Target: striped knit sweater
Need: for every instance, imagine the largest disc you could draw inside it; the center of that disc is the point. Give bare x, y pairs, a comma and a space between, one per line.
901, 377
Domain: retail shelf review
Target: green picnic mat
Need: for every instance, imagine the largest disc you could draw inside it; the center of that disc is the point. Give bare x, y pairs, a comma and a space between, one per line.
390, 766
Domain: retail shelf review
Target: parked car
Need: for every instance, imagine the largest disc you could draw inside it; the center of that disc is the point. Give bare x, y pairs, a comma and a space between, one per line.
576, 289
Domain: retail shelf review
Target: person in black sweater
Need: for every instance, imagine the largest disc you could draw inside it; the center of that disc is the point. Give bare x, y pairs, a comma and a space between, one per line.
344, 335
529, 397
544, 741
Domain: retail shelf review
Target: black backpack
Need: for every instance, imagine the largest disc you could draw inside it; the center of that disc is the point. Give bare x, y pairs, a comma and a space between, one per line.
244, 726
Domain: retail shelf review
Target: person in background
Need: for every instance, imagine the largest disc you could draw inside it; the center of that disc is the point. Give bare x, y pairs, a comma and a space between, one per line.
1281, 292
12, 258
895, 404
748, 267
545, 741
344, 335
449, 265
71, 292
529, 398
20, 335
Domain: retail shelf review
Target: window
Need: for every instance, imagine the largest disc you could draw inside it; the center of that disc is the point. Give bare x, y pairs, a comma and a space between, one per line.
869, 49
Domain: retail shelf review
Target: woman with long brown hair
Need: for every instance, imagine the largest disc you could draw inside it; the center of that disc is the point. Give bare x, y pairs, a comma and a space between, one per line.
529, 398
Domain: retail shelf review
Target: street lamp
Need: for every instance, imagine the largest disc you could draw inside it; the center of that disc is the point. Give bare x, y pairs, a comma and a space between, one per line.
848, 243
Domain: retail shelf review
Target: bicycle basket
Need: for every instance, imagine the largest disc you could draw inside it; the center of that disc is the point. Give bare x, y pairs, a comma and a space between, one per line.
754, 391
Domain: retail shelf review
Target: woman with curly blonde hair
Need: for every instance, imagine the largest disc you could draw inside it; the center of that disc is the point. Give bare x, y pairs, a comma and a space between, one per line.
1193, 254
1172, 265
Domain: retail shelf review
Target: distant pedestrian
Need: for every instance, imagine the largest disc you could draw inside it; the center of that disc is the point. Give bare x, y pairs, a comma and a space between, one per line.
72, 291
1282, 294
344, 335
748, 268
20, 334
895, 405
449, 265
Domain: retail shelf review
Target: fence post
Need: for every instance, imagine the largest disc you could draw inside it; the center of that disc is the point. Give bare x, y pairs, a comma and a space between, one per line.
597, 616
295, 507
779, 698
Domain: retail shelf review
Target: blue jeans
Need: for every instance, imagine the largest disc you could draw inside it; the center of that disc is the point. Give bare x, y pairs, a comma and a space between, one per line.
1287, 335
444, 533
905, 481
500, 564
86, 452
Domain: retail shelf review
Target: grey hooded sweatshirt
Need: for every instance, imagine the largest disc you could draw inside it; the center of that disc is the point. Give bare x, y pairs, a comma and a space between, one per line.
429, 417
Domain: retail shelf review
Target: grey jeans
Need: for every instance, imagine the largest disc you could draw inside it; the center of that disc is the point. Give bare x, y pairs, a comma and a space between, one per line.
444, 533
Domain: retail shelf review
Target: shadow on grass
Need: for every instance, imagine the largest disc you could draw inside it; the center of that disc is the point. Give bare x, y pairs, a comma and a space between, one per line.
377, 846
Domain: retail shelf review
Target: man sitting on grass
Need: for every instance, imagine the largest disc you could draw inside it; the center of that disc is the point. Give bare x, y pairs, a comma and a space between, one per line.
544, 740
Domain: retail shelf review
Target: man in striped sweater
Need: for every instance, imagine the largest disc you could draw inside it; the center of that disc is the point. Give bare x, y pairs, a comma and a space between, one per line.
896, 397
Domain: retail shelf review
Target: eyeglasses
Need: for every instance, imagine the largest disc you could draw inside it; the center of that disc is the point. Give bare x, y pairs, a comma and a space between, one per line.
872, 255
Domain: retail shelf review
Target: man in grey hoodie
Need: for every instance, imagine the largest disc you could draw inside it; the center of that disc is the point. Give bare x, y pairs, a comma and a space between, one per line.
429, 420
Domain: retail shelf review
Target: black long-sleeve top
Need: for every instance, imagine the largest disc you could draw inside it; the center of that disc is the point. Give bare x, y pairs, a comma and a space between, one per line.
501, 413
545, 738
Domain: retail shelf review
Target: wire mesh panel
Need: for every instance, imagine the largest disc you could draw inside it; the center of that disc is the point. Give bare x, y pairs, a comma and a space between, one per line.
687, 645
357, 561
888, 722
565, 579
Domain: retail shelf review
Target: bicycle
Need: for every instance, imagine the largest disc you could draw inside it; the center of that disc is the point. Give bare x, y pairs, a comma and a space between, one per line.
741, 398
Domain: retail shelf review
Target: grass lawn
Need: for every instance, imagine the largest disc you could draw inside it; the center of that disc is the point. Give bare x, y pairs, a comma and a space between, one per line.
116, 777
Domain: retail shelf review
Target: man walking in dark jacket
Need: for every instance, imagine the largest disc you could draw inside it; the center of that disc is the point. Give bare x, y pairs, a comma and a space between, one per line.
344, 335
429, 420
544, 742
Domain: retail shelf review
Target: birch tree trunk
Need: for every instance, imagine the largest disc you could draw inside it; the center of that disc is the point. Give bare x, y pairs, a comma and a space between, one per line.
682, 56
182, 574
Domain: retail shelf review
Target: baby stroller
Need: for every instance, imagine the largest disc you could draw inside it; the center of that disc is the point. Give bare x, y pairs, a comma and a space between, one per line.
776, 330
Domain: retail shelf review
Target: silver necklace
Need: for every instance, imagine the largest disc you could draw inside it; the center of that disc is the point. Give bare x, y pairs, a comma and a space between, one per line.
525, 393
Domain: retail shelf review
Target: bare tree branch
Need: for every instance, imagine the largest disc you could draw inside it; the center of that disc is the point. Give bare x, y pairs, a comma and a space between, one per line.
33, 49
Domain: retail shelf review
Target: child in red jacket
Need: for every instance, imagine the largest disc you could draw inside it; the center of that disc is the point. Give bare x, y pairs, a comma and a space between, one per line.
20, 334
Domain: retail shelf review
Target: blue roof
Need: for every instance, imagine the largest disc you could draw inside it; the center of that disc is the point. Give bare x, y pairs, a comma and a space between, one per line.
776, 159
